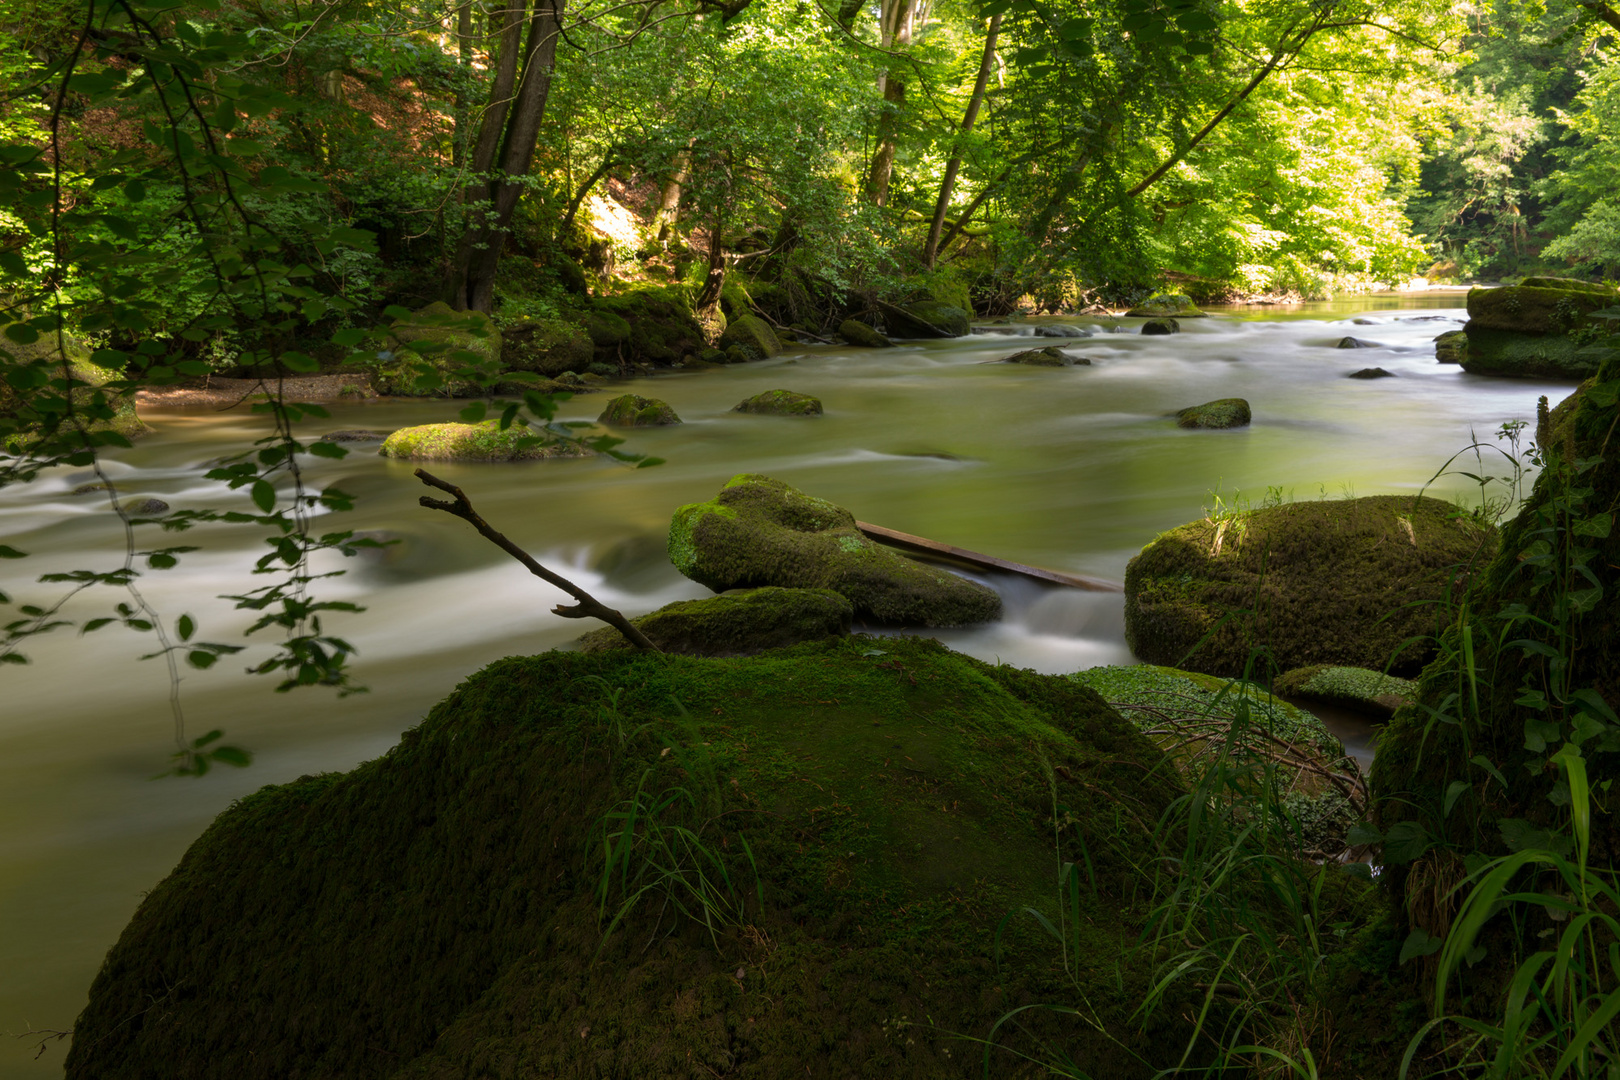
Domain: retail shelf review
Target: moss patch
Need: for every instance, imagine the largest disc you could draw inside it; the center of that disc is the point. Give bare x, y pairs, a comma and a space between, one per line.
1223, 413
474, 442
781, 403
436, 349
1342, 582
433, 913
1051, 356
1361, 689
753, 335
1534, 309
547, 347
1174, 305
1524, 356
736, 624
760, 531
928, 319
858, 333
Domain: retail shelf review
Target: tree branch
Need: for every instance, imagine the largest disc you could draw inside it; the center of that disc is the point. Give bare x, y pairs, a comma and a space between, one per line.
587, 608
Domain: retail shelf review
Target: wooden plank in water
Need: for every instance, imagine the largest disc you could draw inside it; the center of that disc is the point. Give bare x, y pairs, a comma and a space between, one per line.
921, 546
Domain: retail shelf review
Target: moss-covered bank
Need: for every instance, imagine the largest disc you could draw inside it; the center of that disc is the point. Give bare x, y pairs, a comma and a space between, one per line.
433, 913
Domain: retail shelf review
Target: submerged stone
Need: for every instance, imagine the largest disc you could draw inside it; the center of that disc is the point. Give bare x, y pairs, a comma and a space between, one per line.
142, 507
736, 623
474, 442
633, 410
1371, 373
1222, 413
760, 531
858, 333
1061, 330
349, 435
780, 403
865, 812
1347, 582
1160, 327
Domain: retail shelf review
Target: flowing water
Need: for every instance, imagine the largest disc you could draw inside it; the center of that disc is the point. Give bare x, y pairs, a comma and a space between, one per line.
1074, 469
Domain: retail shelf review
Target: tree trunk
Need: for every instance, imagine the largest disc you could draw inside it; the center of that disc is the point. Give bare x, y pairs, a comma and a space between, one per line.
898, 17
505, 150
716, 279
462, 136
669, 197
943, 203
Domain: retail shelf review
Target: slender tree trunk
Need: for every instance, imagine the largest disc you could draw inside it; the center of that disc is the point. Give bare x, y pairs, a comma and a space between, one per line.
462, 135
896, 29
669, 197
716, 279
505, 150
943, 203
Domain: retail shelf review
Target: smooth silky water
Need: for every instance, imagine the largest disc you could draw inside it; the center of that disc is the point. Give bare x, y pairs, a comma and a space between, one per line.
1074, 469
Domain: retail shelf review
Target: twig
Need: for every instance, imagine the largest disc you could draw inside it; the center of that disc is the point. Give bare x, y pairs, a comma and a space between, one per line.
587, 608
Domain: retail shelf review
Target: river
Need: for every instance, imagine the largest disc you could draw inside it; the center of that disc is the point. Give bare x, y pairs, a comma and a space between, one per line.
1074, 469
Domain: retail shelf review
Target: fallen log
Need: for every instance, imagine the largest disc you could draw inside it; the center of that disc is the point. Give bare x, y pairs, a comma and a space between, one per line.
950, 553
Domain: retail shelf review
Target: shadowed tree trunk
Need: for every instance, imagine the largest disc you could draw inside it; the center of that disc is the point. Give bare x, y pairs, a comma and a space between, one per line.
952, 167
899, 18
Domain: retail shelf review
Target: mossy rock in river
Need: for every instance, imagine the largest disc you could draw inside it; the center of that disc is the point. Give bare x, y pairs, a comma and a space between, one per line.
1360, 689
474, 442
1189, 715
858, 333
1160, 327
1229, 412
111, 411
1540, 309
546, 347
760, 531
439, 351
1051, 356
633, 410
647, 325
1533, 331
1451, 347
737, 623
1524, 356
1349, 581
780, 403
753, 335
927, 319
1173, 305
878, 804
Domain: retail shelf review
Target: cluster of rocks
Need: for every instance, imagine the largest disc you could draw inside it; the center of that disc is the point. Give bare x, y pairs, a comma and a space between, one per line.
1537, 329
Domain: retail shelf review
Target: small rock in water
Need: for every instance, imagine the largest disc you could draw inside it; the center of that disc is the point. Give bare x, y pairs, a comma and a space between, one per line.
1355, 343
858, 333
1364, 322
633, 410
355, 435
781, 403
138, 507
90, 489
1051, 356
1223, 413
1161, 326
1451, 347
1061, 330
1371, 373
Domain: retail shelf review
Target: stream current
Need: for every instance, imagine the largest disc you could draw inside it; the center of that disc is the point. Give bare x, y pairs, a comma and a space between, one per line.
1073, 469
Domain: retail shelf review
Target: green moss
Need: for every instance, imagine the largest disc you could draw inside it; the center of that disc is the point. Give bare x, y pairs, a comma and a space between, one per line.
1451, 347
753, 335
1161, 326
760, 531
1524, 355
858, 333
633, 410
927, 319
1174, 305
546, 347
1223, 413
1051, 356
1355, 688
434, 348
1534, 310
1568, 285
473, 442
433, 913
1348, 582
94, 396
736, 624
652, 325
781, 403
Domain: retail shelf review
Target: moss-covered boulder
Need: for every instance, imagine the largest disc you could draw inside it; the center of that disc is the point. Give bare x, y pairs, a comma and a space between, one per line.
1534, 331
1189, 714
1229, 412
1051, 356
1355, 343
927, 319
753, 335
760, 531
438, 350
547, 347
1451, 347
858, 333
1160, 327
1371, 373
780, 403
633, 410
877, 806
646, 325
113, 409
1171, 305
474, 442
1347, 582
736, 623
1360, 689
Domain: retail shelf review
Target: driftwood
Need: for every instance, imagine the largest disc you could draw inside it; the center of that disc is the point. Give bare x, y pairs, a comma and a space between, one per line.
920, 546
587, 608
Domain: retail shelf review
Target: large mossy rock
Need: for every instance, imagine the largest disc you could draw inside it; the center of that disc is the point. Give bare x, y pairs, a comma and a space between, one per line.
736, 624
927, 319
858, 333
1358, 689
760, 531
474, 442
434, 913
647, 325
780, 403
1534, 627
92, 392
1533, 330
633, 410
753, 335
1222, 413
1170, 305
435, 349
547, 347
1348, 581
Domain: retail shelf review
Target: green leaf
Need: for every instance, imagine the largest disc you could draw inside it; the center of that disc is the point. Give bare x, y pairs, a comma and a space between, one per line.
1363, 833
8, 552
349, 337
1404, 842
185, 627
264, 495
13, 264
327, 450
201, 659
1420, 943
299, 362
473, 413
1483, 762
1538, 733
232, 755
1453, 791
21, 333
159, 560
1598, 526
